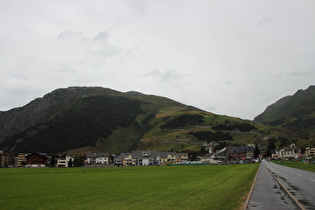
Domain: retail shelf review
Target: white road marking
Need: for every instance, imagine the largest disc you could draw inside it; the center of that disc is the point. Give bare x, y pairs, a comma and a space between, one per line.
313, 180
300, 174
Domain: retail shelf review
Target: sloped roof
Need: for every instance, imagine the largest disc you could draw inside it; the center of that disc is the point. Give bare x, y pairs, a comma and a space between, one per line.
241, 149
96, 155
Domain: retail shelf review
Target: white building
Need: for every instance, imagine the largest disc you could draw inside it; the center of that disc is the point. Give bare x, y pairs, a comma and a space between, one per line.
63, 161
287, 153
97, 158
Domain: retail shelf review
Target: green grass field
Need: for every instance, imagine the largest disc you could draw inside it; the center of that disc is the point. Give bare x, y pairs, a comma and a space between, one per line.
168, 187
298, 164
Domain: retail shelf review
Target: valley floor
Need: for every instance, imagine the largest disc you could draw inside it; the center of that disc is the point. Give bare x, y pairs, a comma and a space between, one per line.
167, 187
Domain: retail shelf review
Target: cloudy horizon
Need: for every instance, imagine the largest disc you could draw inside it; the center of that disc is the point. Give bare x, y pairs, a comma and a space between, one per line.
227, 57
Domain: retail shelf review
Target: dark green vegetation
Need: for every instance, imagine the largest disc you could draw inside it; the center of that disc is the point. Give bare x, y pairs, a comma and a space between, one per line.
171, 187
210, 136
182, 120
79, 125
295, 115
305, 165
297, 111
84, 118
98, 119
243, 127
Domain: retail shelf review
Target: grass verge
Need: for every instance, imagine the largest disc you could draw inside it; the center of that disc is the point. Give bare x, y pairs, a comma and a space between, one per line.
298, 164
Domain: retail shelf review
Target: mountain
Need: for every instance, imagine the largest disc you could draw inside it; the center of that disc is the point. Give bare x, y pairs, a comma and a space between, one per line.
296, 111
75, 119
79, 117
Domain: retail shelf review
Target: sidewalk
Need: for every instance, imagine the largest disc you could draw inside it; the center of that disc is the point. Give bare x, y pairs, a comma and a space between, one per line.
267, 193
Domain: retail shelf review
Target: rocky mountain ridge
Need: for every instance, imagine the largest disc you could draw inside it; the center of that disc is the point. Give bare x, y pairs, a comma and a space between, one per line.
296, 111
18, 119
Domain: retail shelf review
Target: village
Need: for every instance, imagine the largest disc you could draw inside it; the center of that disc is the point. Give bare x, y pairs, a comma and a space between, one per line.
226, 155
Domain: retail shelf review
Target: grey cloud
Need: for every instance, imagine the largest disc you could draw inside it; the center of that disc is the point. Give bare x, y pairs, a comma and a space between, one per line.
67, 71
263, 21
166, 76
95, 46
261, 93
101, 36
301, 73
295, 74
211, 108
69, 35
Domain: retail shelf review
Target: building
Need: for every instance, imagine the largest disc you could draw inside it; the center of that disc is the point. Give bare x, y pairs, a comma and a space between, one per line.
21, 160
287, 153
37, 160
63, 161
241, 153
309, 152
148, 158
4, 159
97, 158
118, 159
214, 157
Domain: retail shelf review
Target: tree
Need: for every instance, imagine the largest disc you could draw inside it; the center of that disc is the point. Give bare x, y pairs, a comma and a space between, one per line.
256, 151
70, 163
11, 158
52, 161
203, 151
271, 146
192, 155
78, 161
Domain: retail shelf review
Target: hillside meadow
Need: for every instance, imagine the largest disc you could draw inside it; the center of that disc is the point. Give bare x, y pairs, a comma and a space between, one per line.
163, 187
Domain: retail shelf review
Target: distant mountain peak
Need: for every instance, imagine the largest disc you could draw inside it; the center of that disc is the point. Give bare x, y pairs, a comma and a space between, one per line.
296, 111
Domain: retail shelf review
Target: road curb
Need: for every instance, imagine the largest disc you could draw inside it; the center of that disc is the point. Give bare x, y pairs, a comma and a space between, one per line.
286, 190
251, 190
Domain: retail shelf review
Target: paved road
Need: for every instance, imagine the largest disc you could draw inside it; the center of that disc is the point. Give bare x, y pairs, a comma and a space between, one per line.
300, 183
267, 193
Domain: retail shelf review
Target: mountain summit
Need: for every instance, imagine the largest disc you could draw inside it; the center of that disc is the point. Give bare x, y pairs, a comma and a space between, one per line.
296, 111
77, 117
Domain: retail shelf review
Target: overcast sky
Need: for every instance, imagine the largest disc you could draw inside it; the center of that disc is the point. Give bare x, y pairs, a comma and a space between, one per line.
227, 57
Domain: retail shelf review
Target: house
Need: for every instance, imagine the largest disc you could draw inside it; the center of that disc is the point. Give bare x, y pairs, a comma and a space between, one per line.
4, 159
129, 160
287, 153
62, 161
250, 155
240, 153
118, 159
97, 158
148, 158
309, 152
182, 157
214, 157
37, 160
21, 159
168, 158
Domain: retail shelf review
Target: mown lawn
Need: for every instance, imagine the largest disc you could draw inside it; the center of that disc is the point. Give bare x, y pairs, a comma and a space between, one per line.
168, 187
298, 164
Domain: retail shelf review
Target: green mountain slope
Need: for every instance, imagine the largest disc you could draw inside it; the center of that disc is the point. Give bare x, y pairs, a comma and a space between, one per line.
90, 118
76, 119
297, 111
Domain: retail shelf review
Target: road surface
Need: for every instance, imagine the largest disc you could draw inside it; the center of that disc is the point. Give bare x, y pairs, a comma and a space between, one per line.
267, 193
300, 183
